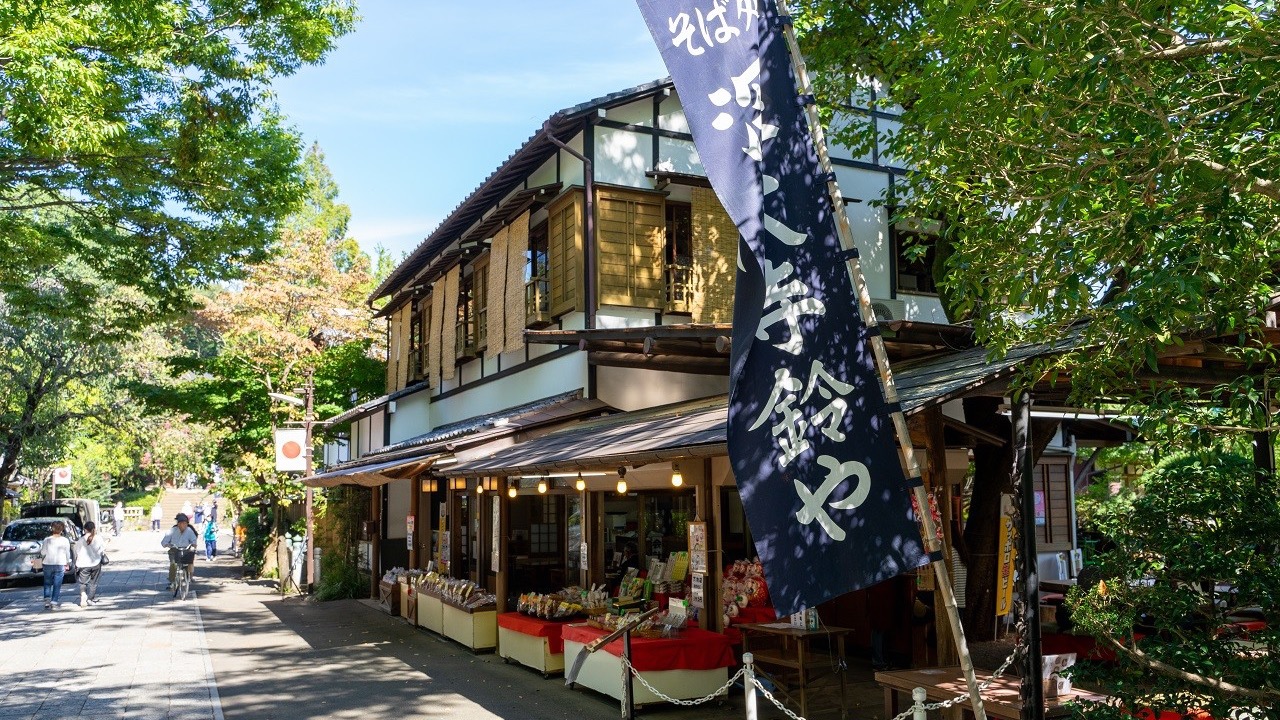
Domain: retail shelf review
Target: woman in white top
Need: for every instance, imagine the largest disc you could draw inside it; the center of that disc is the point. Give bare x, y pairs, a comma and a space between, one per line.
55, 553
89, 552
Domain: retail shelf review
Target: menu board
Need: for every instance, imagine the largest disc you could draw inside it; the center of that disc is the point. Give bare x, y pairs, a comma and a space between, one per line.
697, 590
698, 547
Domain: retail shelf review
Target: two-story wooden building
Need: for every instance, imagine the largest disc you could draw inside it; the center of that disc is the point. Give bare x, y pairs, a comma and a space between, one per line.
558, 357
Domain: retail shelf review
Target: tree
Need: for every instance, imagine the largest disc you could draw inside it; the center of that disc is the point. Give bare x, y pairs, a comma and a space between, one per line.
1191, 554
55, 366
148, 130
1091, 162
1114, 163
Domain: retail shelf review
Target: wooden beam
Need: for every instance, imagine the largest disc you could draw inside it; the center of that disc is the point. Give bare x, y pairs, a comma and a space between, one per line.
673, 363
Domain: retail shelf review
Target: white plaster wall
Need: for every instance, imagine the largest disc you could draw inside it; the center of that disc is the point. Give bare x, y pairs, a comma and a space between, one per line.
637, 388
570, 166
622, 157
636, 113
360, 436
613, 317
544, 175
679, 156
838, 124
871, 236
553, 377
412, 416
398, 493
671, 114
470, 371
377, 430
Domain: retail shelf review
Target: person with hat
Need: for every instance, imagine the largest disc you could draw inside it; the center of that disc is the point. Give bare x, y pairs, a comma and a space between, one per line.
180, 537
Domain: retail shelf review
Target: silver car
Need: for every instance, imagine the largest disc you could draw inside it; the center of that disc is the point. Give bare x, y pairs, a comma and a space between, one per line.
20, 544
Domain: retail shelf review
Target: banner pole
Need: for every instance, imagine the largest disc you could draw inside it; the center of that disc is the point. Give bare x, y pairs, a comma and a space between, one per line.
928, 530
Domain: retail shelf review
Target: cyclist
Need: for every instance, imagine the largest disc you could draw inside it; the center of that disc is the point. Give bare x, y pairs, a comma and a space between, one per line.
180, 537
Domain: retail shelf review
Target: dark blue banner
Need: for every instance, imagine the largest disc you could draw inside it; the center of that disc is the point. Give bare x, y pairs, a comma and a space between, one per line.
810, 437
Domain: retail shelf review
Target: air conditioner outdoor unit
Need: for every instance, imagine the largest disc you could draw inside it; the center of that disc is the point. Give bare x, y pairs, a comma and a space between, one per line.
888, 310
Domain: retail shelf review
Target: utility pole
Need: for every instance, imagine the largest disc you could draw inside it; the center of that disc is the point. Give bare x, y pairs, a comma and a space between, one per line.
308, 420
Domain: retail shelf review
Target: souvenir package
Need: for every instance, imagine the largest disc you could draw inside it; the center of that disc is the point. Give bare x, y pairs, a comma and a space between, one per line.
548, 607
593, 600
462, 593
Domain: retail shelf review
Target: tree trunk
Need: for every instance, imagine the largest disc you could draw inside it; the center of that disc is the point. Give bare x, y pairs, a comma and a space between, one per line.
991, 466
992, 477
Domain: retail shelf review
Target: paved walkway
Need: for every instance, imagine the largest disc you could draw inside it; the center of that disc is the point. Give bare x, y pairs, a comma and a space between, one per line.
137, 654
141, 655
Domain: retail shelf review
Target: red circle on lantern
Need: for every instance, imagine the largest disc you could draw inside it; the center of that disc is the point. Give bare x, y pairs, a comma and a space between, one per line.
291, 449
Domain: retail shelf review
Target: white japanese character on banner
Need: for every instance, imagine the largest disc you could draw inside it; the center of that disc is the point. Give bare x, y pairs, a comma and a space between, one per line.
791, 428
746, 91
793, 302
829, 388
725, 32
748, 13
682, 33
814, 502
792, 425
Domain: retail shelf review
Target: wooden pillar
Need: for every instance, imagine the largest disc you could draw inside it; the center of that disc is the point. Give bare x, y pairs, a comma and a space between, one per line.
375, 541
504, 540
1024, 474
415, 487
927, 433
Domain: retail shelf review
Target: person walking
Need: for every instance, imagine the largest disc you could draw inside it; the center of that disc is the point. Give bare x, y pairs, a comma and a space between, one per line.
214, 509
157, 514
89, 551
117, 518
210, 539
186, 508
55, 554
198, 520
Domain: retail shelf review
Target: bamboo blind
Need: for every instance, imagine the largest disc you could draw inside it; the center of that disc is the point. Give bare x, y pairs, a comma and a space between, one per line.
564, 246
630, 241
715, 255
517, 245
449, 338
406, 337
497, 291
437, 335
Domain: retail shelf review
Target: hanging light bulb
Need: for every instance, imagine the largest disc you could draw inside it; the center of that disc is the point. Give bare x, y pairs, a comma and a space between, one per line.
512, 490
542, 486
622, 481
580, 484
676, 478
479, 486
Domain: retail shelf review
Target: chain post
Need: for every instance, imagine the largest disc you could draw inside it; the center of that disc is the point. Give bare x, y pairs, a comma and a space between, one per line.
918, 696
749, 685
628, 688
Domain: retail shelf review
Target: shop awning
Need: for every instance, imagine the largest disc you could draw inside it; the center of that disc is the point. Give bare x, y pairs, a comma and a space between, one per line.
416, 455
375, 474
670, 432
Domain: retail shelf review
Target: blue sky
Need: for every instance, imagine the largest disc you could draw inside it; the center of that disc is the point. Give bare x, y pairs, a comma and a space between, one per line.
425, 99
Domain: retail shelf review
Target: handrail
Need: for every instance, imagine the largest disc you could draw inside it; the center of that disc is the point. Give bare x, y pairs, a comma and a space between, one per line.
630, 625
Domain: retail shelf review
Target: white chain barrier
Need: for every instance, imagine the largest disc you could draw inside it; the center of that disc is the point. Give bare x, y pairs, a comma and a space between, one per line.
722, 690
747, 673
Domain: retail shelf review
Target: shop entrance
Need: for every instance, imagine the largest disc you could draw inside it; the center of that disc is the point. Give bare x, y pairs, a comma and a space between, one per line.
537, 559
654, 523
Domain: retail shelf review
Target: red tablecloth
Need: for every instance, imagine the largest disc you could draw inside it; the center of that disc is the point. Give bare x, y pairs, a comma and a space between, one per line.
694, 649
537, 627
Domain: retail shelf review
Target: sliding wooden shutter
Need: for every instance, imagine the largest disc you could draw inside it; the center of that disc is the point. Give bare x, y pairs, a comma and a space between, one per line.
630, 236
564, 246
517, 249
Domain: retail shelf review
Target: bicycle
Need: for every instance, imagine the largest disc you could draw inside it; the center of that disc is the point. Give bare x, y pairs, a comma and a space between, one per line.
185, 558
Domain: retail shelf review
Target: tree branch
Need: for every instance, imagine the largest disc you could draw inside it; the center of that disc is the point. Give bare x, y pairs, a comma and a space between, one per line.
1187, 51
1171, 671
1241, 181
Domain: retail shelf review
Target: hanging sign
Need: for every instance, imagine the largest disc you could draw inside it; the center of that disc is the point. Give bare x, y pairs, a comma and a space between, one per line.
810, 435
291, 446
698, 547
1004, 577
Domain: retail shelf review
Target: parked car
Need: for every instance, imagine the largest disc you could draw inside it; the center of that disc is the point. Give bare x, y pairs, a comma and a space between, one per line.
20, 544
77, 510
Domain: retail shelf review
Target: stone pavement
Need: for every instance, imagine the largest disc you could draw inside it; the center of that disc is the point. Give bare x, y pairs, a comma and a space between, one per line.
140, 654
137, 654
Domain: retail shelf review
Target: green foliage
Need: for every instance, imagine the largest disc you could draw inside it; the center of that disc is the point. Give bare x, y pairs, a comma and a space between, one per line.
144, 499
1110, 162
340, 579
257, 535
1204, 520
142, 136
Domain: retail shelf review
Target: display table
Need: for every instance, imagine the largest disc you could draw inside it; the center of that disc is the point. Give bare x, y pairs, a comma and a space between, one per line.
1003, 699
408, 603
786, 656
474, 628
389, 596
430, 612
532, 642
685, 667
